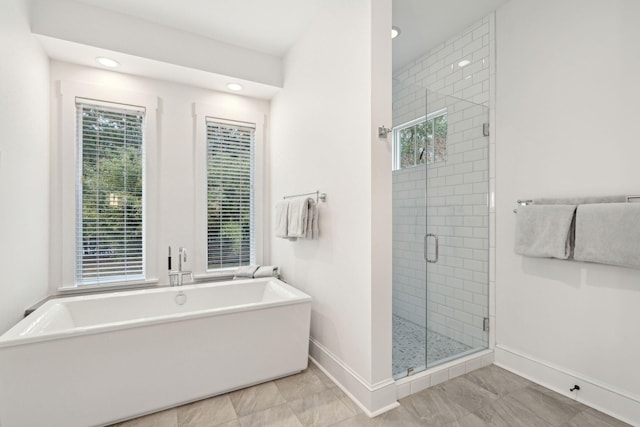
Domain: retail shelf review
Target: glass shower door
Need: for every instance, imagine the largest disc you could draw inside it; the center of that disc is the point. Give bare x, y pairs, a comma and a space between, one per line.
456, 241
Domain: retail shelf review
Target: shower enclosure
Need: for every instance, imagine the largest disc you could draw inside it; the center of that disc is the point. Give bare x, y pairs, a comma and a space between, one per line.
440, 228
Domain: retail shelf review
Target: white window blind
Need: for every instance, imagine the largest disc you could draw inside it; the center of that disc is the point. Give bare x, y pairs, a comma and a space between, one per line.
109, 192
230, 197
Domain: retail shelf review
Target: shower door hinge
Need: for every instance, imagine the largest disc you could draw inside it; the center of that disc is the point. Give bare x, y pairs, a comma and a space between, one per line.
485, 324
485, 129
383, 131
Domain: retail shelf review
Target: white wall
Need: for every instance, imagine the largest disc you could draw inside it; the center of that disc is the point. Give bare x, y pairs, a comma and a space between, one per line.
24, 165
336, 91
567, 113
176, 195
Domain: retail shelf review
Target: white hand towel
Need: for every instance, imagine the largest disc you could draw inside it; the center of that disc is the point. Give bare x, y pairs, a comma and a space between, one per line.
281, 220
246, 272
266, 271
311, 219
298, 215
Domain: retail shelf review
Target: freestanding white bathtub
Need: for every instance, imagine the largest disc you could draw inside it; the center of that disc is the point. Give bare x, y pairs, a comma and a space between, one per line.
94, 360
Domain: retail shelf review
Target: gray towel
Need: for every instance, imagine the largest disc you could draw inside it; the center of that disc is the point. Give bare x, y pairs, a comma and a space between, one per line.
580, 200
266, 271
544, 231
608, 234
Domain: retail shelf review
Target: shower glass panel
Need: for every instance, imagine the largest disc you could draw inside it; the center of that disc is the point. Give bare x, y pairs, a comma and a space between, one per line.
440, 203
457, 229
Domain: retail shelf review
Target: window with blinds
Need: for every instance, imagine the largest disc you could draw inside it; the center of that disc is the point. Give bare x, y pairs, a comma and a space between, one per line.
230, 210
109, 192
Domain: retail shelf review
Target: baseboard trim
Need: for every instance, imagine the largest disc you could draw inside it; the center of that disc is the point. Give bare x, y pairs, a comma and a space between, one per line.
596, 394
373, 399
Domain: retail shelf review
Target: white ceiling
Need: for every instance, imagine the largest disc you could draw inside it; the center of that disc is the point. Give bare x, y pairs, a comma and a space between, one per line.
268, 26
273, 26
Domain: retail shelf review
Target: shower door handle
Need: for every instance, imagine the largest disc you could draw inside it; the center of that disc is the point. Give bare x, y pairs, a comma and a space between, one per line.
426, 256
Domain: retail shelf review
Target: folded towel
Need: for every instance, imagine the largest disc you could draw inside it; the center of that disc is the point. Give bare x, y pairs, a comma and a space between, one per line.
281, 220
608, 234
544, 231
581, 200
312, 221
315, 226
298, 216
246, 272
266, 271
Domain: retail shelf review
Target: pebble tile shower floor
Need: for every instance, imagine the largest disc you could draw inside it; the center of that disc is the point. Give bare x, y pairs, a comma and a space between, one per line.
410, 342
489, 396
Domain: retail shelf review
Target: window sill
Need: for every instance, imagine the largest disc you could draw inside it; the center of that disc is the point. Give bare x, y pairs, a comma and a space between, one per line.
124, 286
226, 274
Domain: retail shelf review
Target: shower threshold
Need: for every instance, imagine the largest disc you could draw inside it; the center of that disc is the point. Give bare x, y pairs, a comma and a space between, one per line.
412, 341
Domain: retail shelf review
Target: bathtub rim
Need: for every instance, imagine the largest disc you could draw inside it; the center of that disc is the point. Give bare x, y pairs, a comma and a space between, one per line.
298, 297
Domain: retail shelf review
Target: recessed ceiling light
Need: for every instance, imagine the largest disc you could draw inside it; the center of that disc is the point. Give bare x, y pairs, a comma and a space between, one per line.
395, 32
107, 62
464, 63
234, 86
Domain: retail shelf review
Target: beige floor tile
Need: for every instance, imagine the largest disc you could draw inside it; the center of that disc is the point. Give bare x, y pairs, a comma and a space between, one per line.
234, 423
256, 398
208, 412
508, 412
321, 409
592, 418
346, 400
433, 407
300, 385
360, 420
466, 394
471, 420
547, 406
321, 375
166, 418
497, 380
278, 416
400, 416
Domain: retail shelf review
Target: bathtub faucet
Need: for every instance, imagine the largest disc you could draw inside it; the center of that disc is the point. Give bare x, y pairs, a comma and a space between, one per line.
176, 278
182, 253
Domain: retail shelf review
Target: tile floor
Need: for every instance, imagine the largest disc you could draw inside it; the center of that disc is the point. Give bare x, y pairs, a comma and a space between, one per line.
490, 396
411, 341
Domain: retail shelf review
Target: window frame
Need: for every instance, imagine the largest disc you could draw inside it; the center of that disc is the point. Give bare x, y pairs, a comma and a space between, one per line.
396, 136
65, 173
224, 113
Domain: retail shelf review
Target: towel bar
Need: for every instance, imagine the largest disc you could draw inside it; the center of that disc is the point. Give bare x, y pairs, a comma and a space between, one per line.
320, 197
522, 203
529, 201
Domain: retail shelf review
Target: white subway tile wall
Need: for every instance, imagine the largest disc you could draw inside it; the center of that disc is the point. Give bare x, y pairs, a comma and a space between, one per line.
457, 193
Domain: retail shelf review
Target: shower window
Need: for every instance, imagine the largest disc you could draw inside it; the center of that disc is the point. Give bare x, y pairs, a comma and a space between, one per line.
423, 140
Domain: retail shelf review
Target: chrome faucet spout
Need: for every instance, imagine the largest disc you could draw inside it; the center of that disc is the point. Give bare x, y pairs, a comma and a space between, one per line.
182, 256
176, 278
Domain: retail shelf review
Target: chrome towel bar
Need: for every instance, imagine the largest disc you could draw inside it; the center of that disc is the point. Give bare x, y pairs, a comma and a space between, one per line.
529, 201
320, 197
